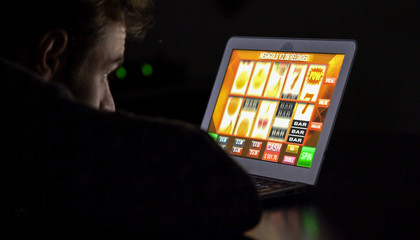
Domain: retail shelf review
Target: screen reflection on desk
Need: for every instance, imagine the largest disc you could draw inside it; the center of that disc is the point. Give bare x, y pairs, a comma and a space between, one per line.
291, 223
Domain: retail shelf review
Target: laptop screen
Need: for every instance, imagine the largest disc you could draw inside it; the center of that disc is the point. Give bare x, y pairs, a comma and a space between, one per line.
272, 105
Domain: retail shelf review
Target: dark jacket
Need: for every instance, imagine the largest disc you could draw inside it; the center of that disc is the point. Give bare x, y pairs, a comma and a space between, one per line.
69, 171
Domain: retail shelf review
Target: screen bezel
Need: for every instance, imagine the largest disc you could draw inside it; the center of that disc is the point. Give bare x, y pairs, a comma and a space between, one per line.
329, 46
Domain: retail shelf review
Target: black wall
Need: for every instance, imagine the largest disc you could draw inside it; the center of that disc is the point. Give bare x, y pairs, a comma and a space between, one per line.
186, 44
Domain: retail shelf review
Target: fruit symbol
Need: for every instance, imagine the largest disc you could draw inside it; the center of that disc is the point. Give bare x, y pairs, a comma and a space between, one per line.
259, 79
280, 70
233, 106
263, 121
259, 136
242, 79
228, 129
243, 127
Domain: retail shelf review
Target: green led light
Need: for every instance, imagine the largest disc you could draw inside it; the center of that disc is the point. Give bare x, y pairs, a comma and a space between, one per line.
147, 69
121, 73
311, 224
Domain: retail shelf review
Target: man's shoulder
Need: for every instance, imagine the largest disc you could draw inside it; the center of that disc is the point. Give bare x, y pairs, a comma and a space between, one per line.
45, 112
152, 128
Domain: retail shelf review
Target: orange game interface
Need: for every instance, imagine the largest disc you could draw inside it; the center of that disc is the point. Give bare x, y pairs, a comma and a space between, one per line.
272, 105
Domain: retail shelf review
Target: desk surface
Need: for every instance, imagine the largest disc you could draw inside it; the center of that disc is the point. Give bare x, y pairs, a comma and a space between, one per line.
366, 190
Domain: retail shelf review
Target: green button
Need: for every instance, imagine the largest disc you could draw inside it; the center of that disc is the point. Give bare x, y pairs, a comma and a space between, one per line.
213, 135
306, 157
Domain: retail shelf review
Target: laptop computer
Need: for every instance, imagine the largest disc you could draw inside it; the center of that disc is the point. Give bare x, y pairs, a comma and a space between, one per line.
273, 107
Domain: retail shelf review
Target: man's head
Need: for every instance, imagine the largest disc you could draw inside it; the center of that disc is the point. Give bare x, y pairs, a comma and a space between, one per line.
77, 43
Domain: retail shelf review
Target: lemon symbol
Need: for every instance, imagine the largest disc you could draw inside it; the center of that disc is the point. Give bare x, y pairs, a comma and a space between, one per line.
243, 127
227, 129
259, 79
242, 79
259, 136
233, 106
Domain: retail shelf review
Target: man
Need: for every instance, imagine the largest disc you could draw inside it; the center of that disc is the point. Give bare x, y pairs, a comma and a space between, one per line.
69, 171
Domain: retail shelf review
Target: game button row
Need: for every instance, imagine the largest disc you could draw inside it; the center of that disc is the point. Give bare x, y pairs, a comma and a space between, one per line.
271, 152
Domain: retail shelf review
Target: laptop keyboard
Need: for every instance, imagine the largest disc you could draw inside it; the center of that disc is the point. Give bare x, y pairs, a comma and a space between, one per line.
267, 184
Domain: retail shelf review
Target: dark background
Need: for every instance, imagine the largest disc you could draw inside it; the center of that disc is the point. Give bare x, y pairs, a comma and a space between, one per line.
186, 44
369, 180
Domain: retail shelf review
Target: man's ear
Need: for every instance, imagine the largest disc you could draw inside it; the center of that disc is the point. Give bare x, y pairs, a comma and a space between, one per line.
50, 49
